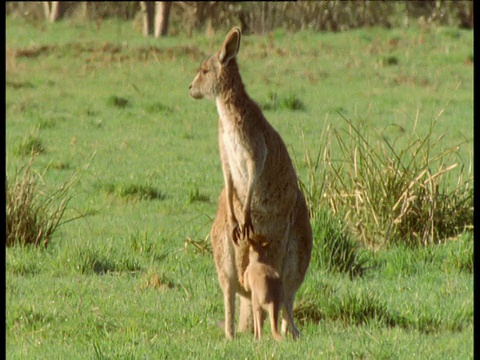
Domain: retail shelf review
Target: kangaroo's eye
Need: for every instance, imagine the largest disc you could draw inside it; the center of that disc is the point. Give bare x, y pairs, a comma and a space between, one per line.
204, 71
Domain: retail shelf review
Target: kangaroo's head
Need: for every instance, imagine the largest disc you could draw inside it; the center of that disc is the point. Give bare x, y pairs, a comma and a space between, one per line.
219, 70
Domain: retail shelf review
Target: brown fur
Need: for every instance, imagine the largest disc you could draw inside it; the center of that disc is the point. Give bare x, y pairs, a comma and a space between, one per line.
261, 194
267, 290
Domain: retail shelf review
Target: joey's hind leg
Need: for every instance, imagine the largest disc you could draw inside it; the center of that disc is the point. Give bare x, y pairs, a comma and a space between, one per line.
257, 320
274, 312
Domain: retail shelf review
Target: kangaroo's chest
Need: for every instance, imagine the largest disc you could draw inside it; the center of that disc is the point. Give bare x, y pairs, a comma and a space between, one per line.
236, 155
237, 146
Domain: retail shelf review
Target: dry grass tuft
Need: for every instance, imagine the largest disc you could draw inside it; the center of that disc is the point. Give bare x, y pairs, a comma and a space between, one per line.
32, 216
415, 193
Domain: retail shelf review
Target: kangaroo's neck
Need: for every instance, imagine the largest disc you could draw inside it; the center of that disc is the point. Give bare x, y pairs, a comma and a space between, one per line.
232, 100
230, 112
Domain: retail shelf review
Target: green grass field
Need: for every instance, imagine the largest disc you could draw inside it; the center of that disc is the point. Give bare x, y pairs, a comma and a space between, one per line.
133, 276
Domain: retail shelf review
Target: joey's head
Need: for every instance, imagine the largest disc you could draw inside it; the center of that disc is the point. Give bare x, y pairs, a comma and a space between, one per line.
257, 247
218, 71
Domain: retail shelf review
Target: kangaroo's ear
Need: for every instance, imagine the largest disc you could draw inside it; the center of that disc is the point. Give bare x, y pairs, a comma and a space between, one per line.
230, 46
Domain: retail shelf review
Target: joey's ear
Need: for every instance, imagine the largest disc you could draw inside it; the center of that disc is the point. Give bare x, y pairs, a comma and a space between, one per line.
230, 46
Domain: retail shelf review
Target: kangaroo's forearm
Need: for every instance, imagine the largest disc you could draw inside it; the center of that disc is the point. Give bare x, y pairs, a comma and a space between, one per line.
229, 185
255, 168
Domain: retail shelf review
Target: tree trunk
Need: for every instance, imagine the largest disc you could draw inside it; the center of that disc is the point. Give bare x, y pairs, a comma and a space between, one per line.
148, 10
162, 13
84, 10
51, 13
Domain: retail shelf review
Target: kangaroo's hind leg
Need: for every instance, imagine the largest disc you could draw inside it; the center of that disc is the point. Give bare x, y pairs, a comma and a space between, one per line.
245, 321
287, 319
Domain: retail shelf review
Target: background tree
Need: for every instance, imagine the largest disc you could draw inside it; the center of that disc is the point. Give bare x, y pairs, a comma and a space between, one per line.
155, 17
51, 10
162, 13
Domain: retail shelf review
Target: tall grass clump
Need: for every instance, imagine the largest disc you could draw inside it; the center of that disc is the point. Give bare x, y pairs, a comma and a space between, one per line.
32, 216
334, 249
391, 193
31, 144
350, 306
290, 102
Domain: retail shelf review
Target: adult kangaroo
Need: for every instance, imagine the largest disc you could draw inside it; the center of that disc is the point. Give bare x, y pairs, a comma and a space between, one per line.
261, 194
